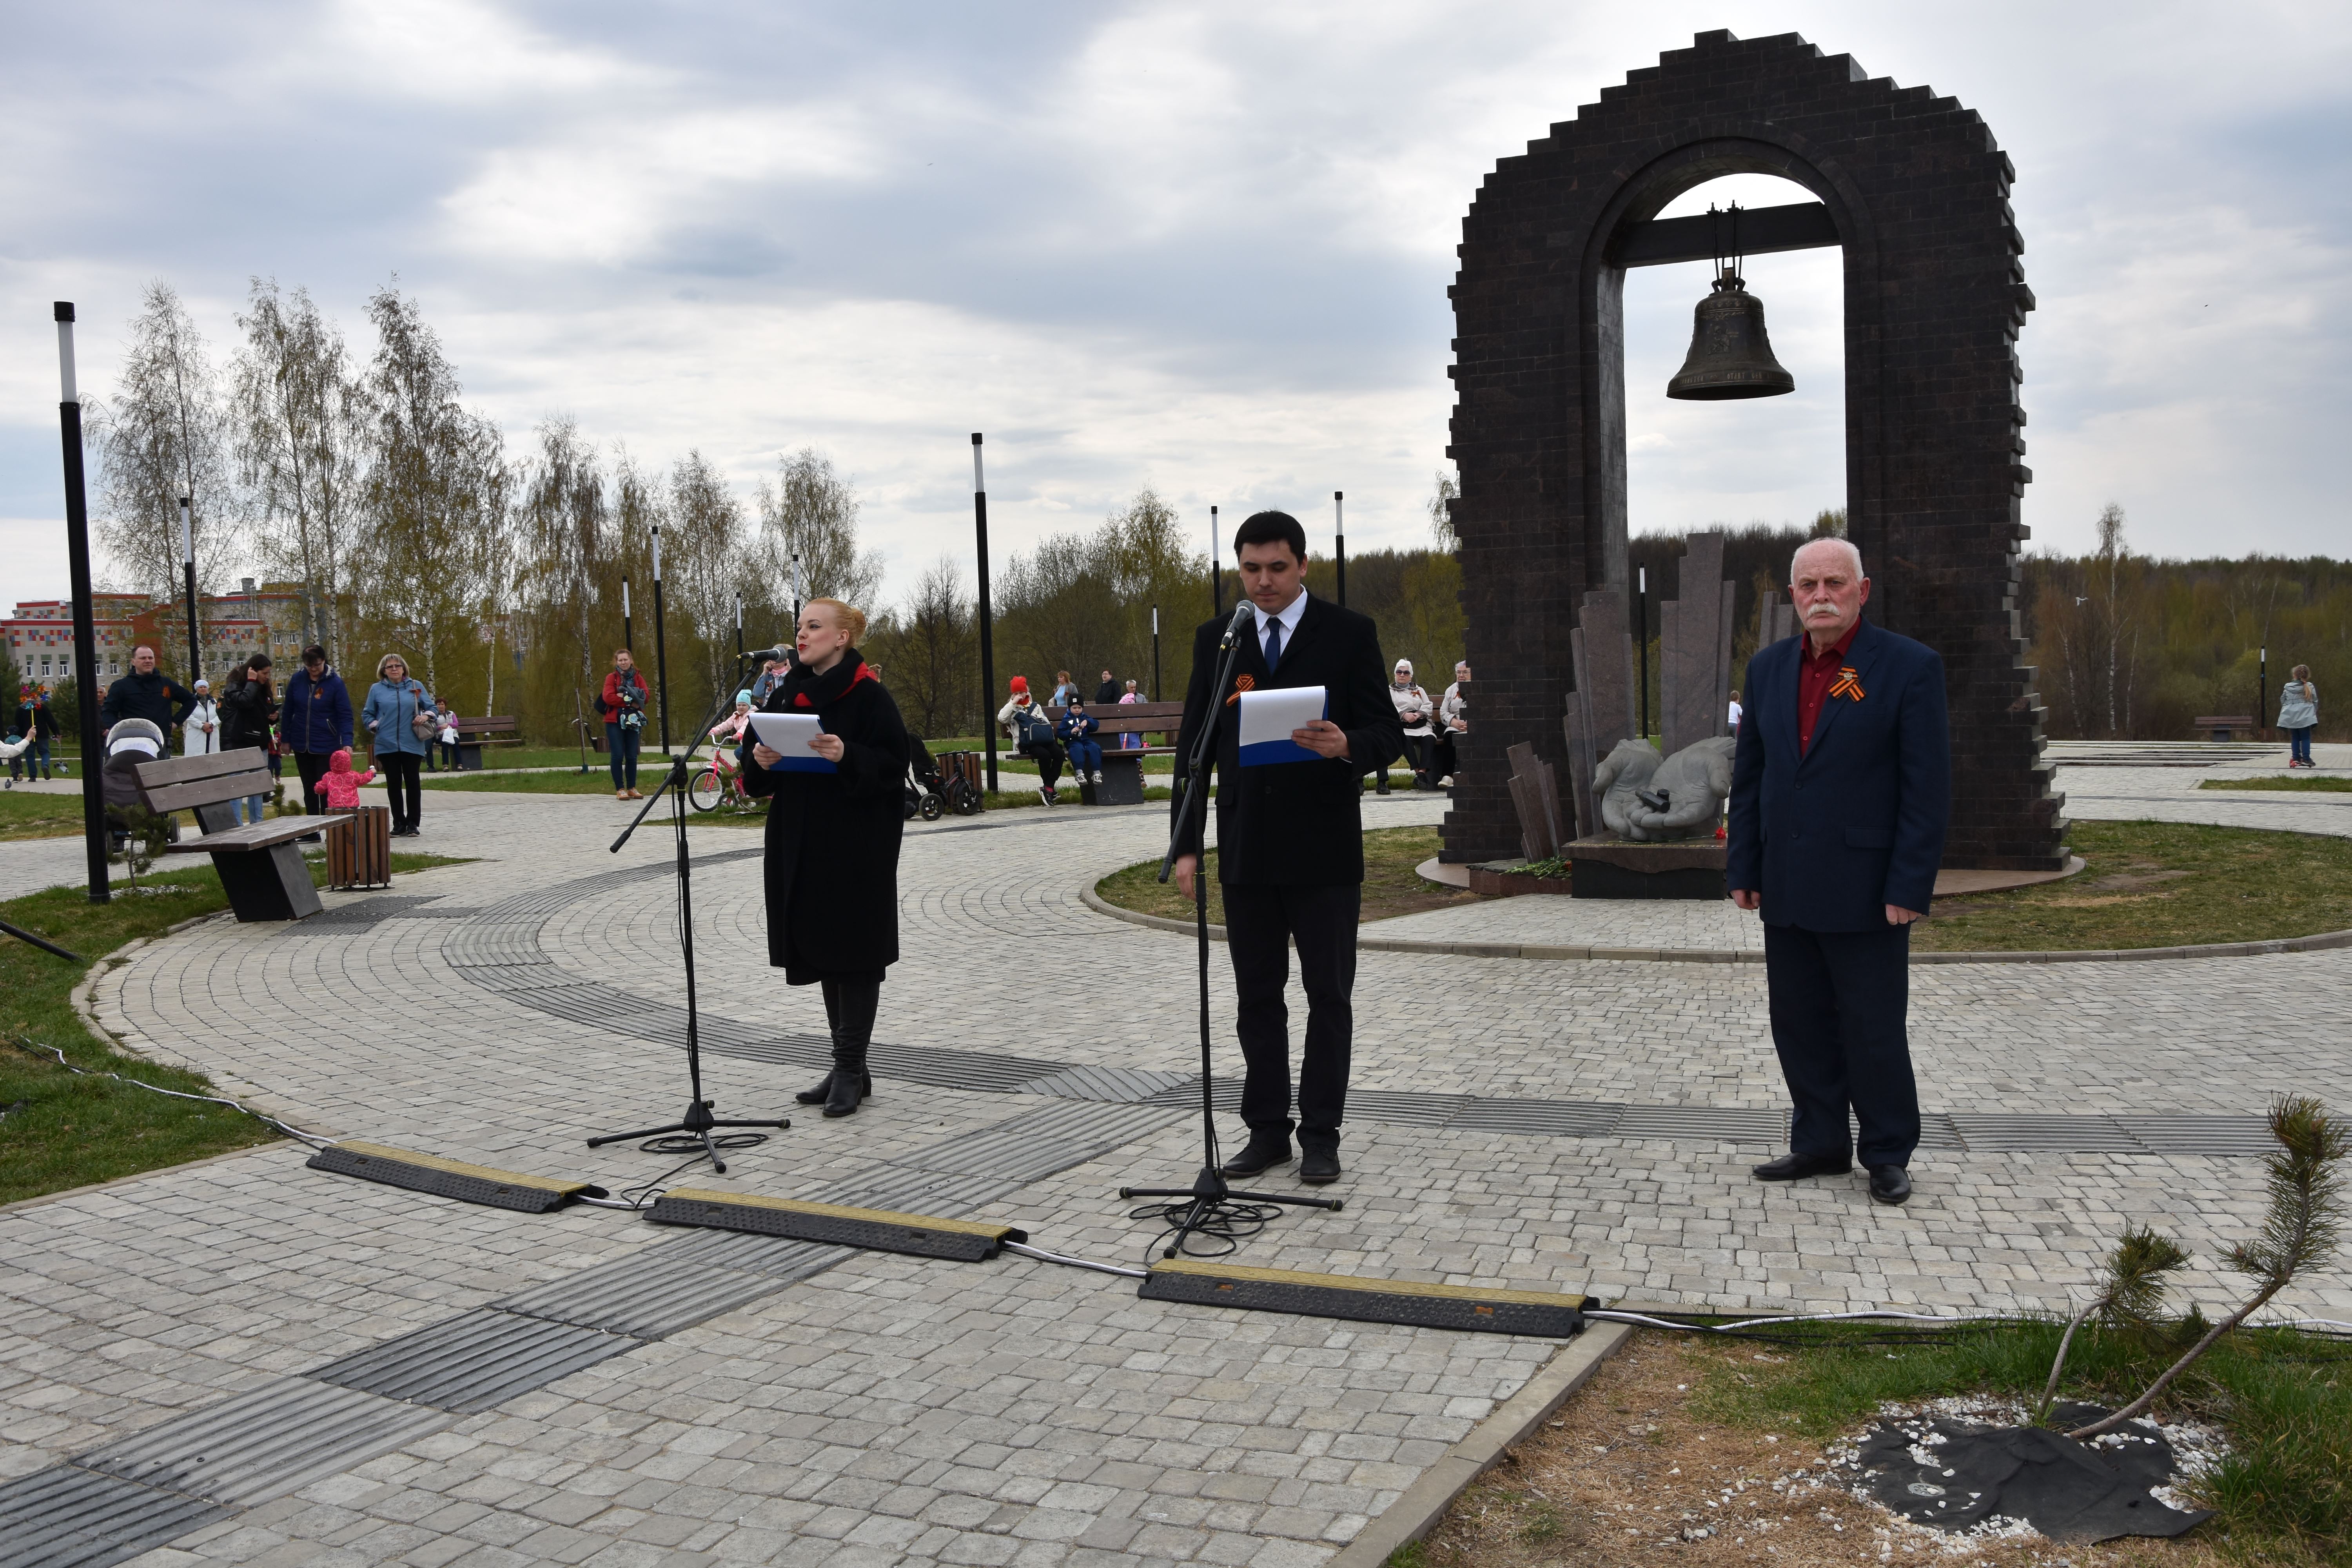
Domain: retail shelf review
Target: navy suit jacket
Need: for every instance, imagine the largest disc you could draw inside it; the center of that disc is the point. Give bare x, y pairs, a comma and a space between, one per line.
1833, 836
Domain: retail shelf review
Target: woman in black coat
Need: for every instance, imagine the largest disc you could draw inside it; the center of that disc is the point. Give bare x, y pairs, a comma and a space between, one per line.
833, 840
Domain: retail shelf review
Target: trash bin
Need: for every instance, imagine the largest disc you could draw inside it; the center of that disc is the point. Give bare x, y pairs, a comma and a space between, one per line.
359, 848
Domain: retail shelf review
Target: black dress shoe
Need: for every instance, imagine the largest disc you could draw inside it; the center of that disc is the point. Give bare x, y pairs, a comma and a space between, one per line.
1797, 1167
1889, 1183
1319, 1166
1265, 1151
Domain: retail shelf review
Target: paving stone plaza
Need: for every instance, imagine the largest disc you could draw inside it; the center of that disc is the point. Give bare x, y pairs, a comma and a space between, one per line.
257, 1362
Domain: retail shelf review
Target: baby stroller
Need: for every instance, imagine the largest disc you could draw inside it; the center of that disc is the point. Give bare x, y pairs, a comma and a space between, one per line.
925, 796
953, 778
131, 743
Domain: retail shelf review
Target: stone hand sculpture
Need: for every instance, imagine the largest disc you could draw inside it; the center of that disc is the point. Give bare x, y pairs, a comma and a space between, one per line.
1684, 797
1617, 783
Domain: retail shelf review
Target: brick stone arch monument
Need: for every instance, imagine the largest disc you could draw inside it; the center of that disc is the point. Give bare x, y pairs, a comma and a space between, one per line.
1914, 189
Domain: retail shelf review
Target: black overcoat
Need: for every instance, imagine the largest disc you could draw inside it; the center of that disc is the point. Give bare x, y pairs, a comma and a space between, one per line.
831, 866
1295, 824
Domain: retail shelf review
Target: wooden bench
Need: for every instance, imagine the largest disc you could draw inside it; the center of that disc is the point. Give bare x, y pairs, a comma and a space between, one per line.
473, 734
1122, 770
260, 866
2227, 726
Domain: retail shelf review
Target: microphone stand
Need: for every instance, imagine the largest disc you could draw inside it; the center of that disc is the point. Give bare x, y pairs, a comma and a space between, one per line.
1212, 1202
699, 1122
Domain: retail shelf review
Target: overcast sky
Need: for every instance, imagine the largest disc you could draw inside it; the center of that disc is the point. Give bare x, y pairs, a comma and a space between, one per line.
1201, 247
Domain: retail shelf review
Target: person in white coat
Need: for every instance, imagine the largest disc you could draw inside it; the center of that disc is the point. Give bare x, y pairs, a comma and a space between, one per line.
201, 730
1414, 710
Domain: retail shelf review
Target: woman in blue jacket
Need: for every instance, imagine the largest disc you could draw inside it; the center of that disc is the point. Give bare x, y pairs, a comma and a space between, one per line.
314, 722
395, 705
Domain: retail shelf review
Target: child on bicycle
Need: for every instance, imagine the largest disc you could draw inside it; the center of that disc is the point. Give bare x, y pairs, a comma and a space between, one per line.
727, 734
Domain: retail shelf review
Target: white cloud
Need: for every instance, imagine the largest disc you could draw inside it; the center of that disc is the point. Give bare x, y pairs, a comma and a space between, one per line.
1201, 244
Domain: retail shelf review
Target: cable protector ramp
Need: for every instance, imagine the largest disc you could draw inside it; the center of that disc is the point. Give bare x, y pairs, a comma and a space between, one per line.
876, 1230
1541, 1313
451, 1178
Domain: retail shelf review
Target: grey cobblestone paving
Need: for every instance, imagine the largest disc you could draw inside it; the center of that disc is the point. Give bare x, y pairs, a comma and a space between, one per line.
890, 1409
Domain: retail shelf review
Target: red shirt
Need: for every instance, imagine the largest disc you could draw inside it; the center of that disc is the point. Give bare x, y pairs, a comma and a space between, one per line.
1816, 673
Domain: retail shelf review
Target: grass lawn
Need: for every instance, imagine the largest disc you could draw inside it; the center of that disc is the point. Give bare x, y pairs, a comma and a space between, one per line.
1390, 885
63, 1130
26, 813
1665, 1434
596, 782
2293, 784
2160, 884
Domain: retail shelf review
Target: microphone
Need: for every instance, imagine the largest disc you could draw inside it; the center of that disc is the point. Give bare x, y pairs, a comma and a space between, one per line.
762, 655
1245, 618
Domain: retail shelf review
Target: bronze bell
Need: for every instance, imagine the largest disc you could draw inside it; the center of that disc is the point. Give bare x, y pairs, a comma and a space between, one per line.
1729, 354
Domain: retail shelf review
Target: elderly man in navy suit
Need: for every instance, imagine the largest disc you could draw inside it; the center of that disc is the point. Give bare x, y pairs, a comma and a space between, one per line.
1840, 792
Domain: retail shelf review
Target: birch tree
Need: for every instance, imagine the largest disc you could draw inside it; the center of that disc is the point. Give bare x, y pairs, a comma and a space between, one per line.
299, 422
703, 560
566, 536
164, 436
434, 483
812, 515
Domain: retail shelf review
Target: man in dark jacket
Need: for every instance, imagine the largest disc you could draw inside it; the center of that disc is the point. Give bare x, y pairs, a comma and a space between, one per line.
146, 693
315, 719
1107, 692
1290, 839
1840, 793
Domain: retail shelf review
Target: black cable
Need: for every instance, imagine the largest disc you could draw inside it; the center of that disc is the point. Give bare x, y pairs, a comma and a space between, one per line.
1224, 1225
690, 1142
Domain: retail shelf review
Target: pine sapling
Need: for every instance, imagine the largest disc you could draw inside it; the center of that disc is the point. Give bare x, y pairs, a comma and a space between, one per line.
2126, 1298
2303, 1226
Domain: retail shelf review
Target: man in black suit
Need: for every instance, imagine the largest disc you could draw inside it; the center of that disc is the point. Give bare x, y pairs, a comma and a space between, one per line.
1840, 793
1290, 838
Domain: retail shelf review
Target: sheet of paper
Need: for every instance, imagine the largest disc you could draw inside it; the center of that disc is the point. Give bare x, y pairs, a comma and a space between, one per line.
1267, 718
791, 734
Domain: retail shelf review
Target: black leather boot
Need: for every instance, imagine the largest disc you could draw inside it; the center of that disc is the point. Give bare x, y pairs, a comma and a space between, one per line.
860, 997
831, 991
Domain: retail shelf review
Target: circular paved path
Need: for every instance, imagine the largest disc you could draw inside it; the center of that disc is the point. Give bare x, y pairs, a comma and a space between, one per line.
868, 1408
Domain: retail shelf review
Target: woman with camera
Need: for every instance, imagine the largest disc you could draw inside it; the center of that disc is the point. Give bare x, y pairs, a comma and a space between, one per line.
832, 867
623, 703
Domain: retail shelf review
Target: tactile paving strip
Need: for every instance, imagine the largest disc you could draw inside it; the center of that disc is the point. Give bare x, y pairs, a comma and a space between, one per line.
499, 950
648, 1295
265, 1443
475, 1360
67, 1517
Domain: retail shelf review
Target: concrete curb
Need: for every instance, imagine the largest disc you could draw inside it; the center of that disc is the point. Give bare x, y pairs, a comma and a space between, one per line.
2323, 943
1416, 1512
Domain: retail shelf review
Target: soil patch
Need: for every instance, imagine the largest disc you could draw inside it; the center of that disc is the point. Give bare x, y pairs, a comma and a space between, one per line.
1629, 1472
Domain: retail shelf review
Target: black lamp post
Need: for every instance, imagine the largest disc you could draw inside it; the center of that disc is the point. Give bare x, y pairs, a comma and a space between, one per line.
1340, 544
85, 627
188, 566
987, 625
1216, 572
661, 652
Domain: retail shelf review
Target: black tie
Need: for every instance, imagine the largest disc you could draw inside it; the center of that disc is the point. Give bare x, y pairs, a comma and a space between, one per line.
1273, 645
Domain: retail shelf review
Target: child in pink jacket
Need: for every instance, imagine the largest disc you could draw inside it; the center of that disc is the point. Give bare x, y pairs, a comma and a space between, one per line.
340, 785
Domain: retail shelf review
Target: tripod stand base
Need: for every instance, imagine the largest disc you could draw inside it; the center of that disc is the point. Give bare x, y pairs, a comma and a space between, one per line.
1211, 1198
696, 1125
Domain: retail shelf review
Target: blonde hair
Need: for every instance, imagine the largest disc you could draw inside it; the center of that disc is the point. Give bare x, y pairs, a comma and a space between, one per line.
387, 661
848, 617
2302, 672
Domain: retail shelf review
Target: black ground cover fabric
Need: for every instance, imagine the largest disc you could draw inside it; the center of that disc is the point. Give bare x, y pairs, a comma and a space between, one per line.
2070, 1491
